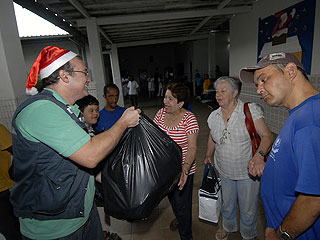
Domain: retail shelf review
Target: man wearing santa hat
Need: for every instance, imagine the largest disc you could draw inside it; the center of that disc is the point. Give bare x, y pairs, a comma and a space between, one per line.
54, 192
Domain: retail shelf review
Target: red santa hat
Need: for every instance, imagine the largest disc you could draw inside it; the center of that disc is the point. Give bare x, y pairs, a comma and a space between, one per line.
50, 59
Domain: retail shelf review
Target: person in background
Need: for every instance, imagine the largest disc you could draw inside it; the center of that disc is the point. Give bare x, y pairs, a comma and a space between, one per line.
199, 84
89, 107
112, 112
161, 86
230, 143
290, 184
206, 85
53, 194
182, 126
9, 224
218, 72
124, 82
151, 86
133, 87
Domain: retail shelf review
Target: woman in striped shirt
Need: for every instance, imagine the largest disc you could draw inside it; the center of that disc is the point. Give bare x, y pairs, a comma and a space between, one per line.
182, 126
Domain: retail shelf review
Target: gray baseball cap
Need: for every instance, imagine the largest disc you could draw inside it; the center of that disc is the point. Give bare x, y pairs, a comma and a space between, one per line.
246, 74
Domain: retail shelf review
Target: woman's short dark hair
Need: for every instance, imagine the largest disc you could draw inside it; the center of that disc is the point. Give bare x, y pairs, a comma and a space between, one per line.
181, 92
86, 101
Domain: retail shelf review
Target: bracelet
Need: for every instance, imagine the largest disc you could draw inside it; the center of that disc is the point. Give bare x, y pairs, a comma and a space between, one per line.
263, 154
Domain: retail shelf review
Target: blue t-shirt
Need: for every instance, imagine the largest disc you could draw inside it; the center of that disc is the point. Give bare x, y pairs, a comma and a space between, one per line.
108, 118
293, 165
199, 81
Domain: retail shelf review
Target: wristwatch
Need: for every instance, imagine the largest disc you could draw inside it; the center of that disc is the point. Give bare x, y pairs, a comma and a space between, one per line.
284, 235
263, 154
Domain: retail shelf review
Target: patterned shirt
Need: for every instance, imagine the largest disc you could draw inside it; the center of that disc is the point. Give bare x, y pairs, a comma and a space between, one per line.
188, 125
233, 144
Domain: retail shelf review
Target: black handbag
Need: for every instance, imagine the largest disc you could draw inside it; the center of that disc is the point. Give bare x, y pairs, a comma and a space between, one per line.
209, 195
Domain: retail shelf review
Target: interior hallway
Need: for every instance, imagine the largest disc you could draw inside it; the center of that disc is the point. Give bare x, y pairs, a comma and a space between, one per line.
157, 226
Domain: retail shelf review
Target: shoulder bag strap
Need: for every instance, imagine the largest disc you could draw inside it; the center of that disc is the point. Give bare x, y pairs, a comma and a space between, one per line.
255, 138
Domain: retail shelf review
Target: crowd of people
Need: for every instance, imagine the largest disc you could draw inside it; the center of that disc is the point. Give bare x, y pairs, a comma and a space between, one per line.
61, 138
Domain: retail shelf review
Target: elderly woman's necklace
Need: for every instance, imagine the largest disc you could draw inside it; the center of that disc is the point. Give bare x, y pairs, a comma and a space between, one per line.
227, 116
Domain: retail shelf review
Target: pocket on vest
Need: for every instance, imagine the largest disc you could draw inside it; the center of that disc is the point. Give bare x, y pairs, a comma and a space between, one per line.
54, 191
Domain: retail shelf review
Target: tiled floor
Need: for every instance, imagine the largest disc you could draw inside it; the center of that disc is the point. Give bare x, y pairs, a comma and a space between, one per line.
157, 226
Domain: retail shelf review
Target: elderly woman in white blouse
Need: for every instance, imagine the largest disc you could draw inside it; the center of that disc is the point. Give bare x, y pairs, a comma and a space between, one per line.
230, 144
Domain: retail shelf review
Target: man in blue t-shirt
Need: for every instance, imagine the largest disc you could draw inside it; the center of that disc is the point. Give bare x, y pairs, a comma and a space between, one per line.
290, 185
111, 113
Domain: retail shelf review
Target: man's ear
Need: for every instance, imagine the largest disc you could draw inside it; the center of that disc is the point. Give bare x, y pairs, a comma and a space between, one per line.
292, 70
63, 75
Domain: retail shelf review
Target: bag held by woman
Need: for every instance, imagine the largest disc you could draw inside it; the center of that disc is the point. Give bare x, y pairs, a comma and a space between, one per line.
210, 195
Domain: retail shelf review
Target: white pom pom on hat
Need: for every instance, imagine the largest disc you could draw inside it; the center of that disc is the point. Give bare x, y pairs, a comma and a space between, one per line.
49, 60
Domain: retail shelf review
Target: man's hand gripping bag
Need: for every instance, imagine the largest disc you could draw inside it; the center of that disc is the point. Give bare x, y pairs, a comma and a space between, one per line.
140, 172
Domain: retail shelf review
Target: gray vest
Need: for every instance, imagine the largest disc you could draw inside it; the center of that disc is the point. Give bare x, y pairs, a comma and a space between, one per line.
47, 185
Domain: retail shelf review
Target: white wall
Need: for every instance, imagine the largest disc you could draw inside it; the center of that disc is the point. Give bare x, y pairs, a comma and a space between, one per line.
32, 50
243, 52
200, 56
220, 53
244, 34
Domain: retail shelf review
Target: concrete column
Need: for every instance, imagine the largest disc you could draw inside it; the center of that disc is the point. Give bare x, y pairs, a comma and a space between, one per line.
12, 66
114, 59
211, 55
97, 63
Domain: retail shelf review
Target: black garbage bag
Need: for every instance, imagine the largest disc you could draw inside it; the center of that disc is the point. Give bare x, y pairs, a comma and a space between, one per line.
140, 171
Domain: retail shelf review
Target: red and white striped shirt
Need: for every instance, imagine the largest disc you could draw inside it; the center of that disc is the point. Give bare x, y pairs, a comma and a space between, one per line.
188, 125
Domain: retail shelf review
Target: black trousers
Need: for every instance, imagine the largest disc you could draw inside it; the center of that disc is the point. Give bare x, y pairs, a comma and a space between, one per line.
9, 223
181, 202
134, 100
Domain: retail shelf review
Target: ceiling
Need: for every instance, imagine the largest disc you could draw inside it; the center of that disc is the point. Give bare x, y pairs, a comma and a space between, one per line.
140, 22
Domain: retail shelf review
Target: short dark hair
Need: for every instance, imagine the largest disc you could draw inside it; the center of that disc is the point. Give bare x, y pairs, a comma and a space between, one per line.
110, 85
181, 92
54, 77
86, 101
281, 66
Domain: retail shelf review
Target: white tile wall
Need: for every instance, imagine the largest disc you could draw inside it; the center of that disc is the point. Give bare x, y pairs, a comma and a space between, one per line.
7, 108
274, 116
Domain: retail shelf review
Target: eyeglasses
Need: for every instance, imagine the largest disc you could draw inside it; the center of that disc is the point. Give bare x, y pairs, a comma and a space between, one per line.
224, 136
86, 72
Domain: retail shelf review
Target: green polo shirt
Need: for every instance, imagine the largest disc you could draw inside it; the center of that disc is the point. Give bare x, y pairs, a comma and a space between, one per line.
44, 121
